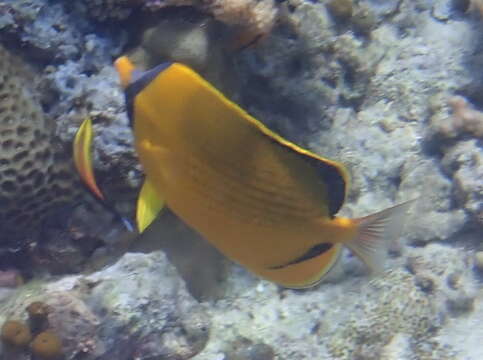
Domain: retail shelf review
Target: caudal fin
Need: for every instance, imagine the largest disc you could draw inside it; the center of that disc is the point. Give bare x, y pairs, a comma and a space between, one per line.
375, 232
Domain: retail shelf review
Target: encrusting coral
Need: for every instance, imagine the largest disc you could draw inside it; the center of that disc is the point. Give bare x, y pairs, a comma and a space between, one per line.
34, 177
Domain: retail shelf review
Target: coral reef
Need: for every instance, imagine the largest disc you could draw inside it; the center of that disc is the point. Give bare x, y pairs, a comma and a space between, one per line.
370, 90
455, 128
402, 308
40, 192
33, 179
255, 17
91, 315
464, 162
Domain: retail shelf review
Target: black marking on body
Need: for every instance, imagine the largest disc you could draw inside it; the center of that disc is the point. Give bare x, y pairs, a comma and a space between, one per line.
330, 175
314, 251
138, 85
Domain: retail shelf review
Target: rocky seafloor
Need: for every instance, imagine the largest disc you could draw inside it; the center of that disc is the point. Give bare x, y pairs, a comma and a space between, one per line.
393, 89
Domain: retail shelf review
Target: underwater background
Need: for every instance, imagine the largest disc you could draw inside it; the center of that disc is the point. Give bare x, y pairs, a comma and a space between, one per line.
393, 89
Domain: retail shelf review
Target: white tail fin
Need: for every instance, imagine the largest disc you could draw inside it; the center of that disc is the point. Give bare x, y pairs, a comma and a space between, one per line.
375, 232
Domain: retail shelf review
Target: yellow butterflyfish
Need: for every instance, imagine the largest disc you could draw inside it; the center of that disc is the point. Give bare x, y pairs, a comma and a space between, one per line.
263, 201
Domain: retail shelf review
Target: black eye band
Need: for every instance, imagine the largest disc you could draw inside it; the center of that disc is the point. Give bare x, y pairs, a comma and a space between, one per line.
138, 85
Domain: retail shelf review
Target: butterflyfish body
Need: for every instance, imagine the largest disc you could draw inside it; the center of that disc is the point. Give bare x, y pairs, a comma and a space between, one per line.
263, 201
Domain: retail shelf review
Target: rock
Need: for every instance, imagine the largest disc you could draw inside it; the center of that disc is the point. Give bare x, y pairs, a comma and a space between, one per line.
464, 161
460, 304
244, 349
399, 348
479, 260
341, 9
167, 320
140, 295
442, 9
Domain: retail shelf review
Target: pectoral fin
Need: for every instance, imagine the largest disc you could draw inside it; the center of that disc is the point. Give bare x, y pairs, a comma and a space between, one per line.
82, 149
148, 206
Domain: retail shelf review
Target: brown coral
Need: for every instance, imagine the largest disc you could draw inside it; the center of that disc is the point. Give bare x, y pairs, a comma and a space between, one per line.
38, 316
16, 333
47, 345
253, 18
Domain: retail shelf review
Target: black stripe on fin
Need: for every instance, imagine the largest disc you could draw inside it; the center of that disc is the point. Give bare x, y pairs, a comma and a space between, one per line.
336, 185
138, 85
314, 251
330, 175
